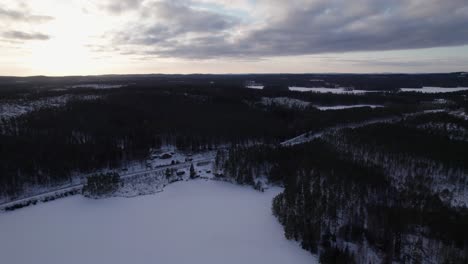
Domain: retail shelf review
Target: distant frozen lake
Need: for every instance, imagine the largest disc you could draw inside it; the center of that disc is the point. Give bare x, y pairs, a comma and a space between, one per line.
327, 90
434, 89
190, 222
341, 107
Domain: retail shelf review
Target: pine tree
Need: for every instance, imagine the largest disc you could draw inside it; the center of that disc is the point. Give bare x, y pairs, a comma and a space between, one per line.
193, 173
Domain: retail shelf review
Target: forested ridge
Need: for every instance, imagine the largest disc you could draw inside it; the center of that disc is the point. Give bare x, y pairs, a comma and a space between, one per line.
383, 192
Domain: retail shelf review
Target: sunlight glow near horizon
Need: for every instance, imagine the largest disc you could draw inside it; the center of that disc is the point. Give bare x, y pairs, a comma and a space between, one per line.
82, 42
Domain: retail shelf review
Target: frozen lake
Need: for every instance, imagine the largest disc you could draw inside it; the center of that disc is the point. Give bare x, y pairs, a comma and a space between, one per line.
190, 222
327, 90
341, 107
434, 89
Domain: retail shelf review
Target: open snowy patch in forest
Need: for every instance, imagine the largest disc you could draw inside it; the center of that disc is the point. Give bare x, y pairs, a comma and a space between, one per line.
284, 101
15, 108
258, 87
190, 222
341, 107
328, 90
254, 85
434, 89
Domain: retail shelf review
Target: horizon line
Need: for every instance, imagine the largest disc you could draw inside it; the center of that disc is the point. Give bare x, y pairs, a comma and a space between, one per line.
265, 73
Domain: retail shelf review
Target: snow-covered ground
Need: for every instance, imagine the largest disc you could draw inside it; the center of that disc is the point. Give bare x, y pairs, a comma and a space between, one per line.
296, 103
309, 136
284, 101
259, 87
9, 109
341, 107
141, 177
434, 89
460, 113
190, 222
327, 90
254, 85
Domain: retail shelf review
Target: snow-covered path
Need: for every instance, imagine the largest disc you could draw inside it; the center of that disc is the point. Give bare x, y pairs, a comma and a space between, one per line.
190, 222
309, 136
306, 137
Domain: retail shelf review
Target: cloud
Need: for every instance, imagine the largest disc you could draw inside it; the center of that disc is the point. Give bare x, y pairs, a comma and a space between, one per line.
22, 16
121, 6
363, 25
172, 24
296, 27
20, 35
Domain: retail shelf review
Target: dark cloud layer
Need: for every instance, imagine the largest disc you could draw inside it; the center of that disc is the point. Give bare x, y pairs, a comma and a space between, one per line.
20, 35
299, 27
167, 21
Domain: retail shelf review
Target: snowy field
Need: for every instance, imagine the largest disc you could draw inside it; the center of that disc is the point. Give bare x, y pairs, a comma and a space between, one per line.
327, 90
341, 107
434, 89
190, 222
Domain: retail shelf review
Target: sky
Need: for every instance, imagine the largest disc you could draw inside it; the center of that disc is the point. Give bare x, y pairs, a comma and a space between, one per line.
90, 37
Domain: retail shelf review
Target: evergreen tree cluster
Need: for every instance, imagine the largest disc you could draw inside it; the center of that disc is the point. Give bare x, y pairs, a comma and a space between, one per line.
101, 184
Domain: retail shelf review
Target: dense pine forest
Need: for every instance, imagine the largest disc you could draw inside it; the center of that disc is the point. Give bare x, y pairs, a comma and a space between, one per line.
385, 182
385, 192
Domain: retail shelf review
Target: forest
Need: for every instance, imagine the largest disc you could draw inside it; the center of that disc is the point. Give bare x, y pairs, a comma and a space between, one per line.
49, 145
384, 184
381, 192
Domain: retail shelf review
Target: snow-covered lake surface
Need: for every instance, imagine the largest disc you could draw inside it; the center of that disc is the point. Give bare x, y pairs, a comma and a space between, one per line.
434, 89
341, 107
190, 222
327, 90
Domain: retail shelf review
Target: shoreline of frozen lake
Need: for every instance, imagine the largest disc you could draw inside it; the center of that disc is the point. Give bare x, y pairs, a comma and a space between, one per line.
190, 222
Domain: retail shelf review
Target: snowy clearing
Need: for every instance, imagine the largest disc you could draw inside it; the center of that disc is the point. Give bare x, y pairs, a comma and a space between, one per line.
254, 85
434, 89
341, 107
327, 90
190, 222
259, 87
284, 101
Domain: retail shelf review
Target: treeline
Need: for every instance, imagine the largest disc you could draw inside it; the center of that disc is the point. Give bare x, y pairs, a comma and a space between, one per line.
347, 206
99, 185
